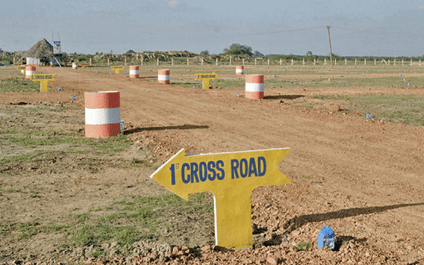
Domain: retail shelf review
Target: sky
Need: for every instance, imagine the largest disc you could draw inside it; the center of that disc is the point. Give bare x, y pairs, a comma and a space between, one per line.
357, 27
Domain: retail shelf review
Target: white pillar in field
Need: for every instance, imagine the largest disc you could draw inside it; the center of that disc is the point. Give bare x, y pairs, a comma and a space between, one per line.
394, 61
255, 62
345, 61
365, 61
375, 61
91, 61
281, 62
125, 62
388, 61
325, 61
356, 61
172, 61
216, 61
291, 62
411, 63
402, 61
303, 61
243, 61
419, 62
335, 61
230, 59
315, 61
202, 61
142, 60
188, 61
108, 62
157, 61
268, 61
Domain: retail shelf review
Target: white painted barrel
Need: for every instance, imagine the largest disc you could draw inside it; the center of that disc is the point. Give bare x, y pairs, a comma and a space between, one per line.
102, 114
74, 65
134, 71
254, 86
239, 70
29, 71
163, 76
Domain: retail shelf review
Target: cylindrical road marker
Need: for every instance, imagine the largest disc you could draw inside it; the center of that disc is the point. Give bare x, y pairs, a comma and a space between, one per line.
254, 86
102, 114
29, 71
163, 76
134, 71
239, 70
74, 65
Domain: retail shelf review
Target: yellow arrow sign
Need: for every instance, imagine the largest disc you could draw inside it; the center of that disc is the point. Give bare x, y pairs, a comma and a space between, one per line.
117, 69
83, 66
43, 79
231, 178
206, 77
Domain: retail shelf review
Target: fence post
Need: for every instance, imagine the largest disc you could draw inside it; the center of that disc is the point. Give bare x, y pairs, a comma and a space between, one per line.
188, 61
345, 61
172, 61
281, 62
315, 61
216, 61
375, 61
356, 61
365, 61
157, 61
292, 62
325, 61
243, 61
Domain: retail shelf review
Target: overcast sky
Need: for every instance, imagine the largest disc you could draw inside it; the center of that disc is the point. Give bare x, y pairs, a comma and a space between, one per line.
358, 27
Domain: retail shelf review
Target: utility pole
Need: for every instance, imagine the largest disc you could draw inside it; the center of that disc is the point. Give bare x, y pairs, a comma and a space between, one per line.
329, 41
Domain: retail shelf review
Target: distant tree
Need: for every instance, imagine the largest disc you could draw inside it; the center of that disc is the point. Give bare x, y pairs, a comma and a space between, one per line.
238, 49
1, 50
130, 51
205, 52
309, 53
258, 54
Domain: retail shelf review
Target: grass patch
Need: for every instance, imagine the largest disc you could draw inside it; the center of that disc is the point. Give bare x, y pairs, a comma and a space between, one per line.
404, 109
126, 221
18, 84
304, 246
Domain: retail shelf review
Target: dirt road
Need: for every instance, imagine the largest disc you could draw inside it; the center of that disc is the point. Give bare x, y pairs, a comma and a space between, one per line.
362, 177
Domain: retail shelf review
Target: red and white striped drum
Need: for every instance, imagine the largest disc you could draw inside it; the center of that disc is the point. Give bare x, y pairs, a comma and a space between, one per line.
74, 65
163, 76
102, 114
134, 71
254, 86
239, 70
29, 71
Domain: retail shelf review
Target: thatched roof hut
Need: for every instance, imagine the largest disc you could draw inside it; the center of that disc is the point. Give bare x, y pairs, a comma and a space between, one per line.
42, 49
41, 53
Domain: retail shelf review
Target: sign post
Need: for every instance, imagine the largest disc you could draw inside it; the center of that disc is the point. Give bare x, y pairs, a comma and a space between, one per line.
231, 178
83, 65
206, 77
43, 79
117, 69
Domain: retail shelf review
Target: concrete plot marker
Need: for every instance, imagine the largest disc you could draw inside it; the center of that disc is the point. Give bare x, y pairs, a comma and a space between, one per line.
231, 178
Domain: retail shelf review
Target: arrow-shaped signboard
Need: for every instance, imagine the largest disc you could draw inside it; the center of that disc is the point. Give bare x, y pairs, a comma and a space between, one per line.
231, 178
